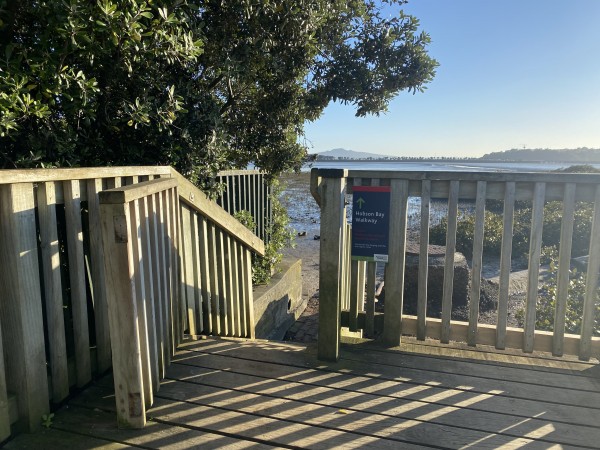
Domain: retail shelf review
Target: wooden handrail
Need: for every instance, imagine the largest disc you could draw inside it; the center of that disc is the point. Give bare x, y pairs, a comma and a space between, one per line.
12, 176
198, 200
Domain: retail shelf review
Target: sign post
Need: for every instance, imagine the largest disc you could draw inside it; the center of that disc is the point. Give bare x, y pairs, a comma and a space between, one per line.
370, 223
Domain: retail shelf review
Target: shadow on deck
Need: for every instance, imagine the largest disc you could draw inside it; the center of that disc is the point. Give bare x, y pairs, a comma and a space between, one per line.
226, 393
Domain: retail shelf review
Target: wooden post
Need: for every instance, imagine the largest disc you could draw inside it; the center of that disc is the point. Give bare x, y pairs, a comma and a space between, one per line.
122, 309
21, 304
333, 222
394, 275
53, 294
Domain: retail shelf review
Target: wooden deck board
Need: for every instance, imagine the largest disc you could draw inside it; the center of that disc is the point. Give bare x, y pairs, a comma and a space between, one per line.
256, 394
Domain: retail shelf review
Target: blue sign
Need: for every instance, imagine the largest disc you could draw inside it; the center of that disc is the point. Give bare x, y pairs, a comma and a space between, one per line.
370, 223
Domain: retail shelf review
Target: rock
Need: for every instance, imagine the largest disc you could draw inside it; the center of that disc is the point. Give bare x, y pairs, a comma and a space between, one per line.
435, 281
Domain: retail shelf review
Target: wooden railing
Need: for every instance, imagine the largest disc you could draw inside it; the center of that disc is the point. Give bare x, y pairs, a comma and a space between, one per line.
344, 301
55, 329
247, 190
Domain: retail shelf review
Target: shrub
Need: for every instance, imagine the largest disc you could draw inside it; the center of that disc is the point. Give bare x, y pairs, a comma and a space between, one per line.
280, 235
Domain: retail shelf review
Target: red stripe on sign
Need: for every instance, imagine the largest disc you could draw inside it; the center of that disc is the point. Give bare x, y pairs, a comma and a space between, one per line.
371, 188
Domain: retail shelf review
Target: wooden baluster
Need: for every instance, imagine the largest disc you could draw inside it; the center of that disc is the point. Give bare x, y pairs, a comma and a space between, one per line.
591, 288
476, 263
564, 266
235, 289
227, 276
188, 269
103, 357
198, 284
4, 413
370, 304
423, 260
21, 304
152, 325
215, 299
535, 247
354, 296
223, 310
139, 296
206, 289
176, 243
449, 261
505, 264
249, 307
243, 283
77, 281
394, 276
53, 290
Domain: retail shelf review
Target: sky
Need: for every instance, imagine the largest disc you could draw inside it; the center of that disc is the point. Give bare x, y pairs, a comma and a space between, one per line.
512, 74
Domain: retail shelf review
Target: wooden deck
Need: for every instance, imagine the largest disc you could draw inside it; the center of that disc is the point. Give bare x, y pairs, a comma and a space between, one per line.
235, 394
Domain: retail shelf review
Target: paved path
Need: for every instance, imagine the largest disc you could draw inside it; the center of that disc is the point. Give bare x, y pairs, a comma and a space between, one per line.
305, 329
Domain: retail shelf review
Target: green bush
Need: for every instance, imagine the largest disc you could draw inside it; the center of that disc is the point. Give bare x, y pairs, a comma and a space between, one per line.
493, 225
547, 298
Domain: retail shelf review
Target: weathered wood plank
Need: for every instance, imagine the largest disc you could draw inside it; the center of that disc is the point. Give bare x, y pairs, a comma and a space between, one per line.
206, 288
423, 259
175, 261
333, 223
370, 301
188, 269
505, 264
383, 429
122, 307
53, 295
152, 324
244, 287
140, 299
535, 247
21, 304
564, 266
80, 173
215, 293
156, 248
174, 321
134, 190
228, 281
235, 289
591, 289
448, 287
4, 407
354, 295
476, 263
77, 281
198, 286
394, 274
223, 307
103, 358
249, 307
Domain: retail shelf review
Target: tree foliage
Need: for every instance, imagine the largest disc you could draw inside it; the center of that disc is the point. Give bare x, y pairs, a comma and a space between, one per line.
201, 85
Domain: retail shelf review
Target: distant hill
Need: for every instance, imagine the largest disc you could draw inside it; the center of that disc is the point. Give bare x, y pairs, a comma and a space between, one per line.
342, 153
582, 155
